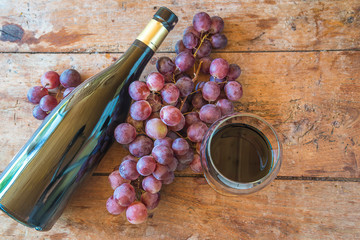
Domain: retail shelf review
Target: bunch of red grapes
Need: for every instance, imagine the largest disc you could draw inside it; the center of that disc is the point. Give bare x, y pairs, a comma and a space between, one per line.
170, 115
47, 95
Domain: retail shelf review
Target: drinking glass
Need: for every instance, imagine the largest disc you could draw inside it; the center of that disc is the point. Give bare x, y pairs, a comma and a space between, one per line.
216, 179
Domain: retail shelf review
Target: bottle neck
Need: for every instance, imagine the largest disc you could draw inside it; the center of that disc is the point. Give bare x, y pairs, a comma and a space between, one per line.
153, 34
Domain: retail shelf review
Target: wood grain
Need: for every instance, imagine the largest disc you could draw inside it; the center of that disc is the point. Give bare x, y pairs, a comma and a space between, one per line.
190, 209
312, 99
300, 62
110, 26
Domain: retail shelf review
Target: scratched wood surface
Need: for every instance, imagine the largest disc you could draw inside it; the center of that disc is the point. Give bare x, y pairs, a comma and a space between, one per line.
103, 26
300, 62
190, 210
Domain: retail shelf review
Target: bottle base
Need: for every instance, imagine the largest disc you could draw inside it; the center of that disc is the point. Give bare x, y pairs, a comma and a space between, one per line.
18, 219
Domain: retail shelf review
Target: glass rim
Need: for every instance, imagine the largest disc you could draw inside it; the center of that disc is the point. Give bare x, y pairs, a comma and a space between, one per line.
276, 161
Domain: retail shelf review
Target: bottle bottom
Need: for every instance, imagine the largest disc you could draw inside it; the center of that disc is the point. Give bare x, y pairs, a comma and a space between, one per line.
18, 219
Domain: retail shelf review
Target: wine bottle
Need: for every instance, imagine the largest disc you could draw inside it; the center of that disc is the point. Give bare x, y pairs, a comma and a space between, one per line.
69, 144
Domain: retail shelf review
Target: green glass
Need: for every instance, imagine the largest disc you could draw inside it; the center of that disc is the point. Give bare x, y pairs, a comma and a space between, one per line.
37, 184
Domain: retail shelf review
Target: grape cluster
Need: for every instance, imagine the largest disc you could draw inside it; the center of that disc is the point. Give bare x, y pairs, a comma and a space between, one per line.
47, 95
170, 115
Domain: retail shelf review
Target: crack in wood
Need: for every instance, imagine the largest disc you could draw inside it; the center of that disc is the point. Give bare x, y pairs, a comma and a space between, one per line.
287, 178
120, 52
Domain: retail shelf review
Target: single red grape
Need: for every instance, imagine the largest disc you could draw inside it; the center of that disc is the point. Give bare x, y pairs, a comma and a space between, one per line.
180, 146
140, 110
226, 106
218, 41
70, 78
48, 103
170, 93
219, 68
151, 184
173, 164
128, 170
204, 49
124, 195
138, 90
210, 91
184, 61
150, 200
233, 90
36, 93
116, 179
50, 80
38, 113
196, 164
170, 115
196, 131
198, 100
190, 41
234, 72
146, 165
209, 113
192, 30
217, 25
161, 172
141, 146
191, 118
164, 141
162, 154
155, 81
186, 158
156, 129
205, 66
165, 65
179, 47
113, 207
185, 86
136, 213
202, 22
125, 133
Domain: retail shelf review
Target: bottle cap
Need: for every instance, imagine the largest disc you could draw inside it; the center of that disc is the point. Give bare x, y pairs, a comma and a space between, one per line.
166, 17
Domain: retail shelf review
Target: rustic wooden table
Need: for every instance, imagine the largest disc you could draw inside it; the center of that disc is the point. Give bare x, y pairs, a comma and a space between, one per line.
301, 72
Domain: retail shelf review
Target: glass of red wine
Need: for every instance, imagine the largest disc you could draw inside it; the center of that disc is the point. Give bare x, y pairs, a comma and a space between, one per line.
240, 154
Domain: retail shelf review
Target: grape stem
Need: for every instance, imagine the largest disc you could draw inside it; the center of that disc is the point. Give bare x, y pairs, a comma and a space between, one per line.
180, 135
195, 91
225, 82
187, 113
137, 186
182, 103
197, 72
202, 40
173, 78
59, 91
142, 132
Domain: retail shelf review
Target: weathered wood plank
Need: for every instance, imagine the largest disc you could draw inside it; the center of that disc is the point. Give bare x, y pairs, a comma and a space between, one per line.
190, 209
311, 98
92, 26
